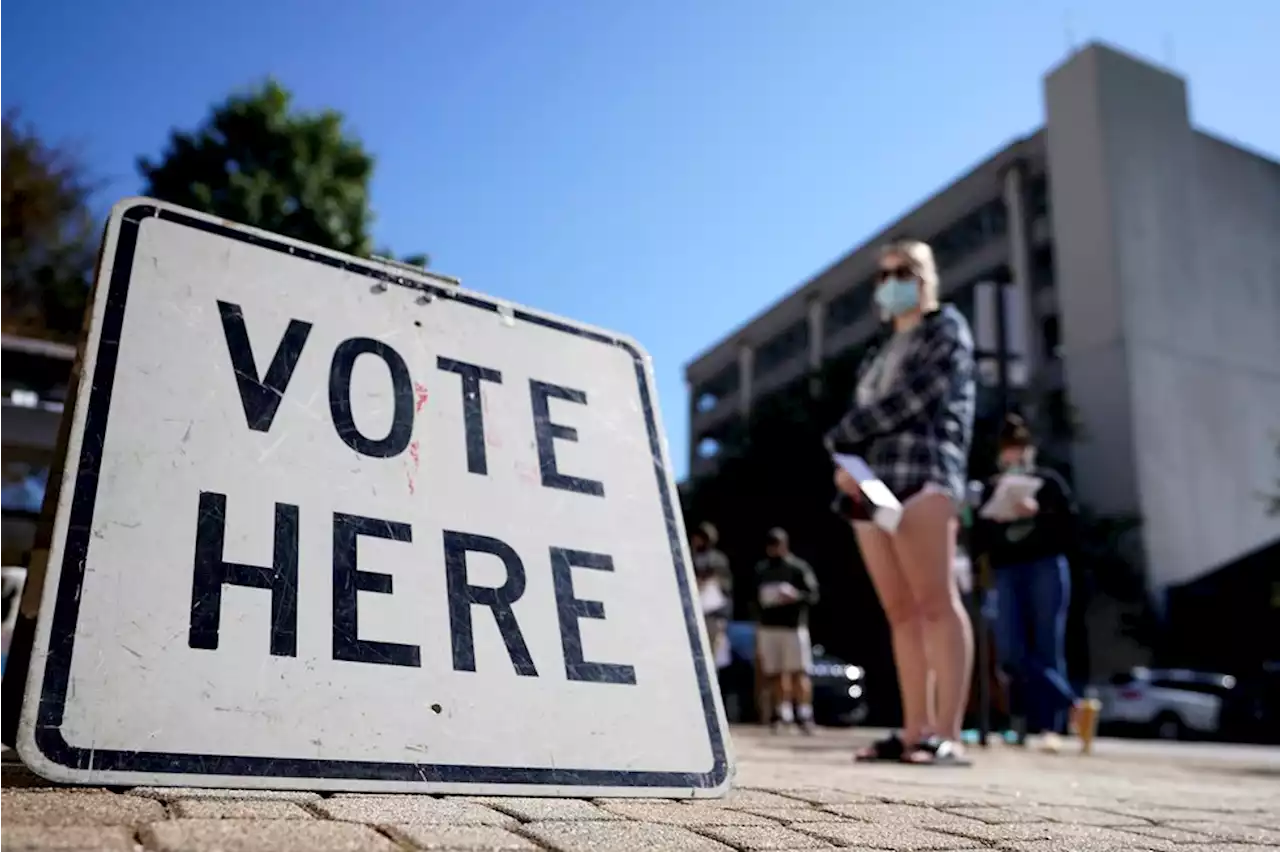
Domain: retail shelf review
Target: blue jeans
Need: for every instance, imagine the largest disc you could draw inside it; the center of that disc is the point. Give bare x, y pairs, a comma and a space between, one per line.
1031, 633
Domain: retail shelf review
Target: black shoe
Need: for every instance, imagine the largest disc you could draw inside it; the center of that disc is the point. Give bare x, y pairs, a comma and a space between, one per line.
807, 727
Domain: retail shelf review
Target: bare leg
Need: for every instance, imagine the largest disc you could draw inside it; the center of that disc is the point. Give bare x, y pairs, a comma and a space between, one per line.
802, 688
925, 546
785, 704
905, 628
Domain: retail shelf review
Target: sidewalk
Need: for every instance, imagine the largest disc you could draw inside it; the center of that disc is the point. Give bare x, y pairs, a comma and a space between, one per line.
792, 793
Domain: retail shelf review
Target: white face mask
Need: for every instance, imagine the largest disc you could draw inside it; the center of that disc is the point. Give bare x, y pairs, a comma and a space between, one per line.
897, 296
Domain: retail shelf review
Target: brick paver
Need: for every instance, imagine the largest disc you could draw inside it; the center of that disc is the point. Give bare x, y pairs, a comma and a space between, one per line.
31, 838
461, 838
858, 833
750, 838
410, 809
791, 794
747, 799
238, 809
236, 835
786, 816
61, 808
678, 813
620, 835
529, 809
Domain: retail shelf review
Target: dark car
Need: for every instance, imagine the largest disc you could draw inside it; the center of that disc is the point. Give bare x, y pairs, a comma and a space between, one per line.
1251, 713
838, 691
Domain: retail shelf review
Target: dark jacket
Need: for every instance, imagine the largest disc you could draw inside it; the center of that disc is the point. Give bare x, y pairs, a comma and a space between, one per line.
787, 569
920, 430
1050, 532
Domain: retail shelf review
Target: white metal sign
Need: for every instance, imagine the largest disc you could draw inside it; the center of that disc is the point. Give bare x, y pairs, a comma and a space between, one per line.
328, 525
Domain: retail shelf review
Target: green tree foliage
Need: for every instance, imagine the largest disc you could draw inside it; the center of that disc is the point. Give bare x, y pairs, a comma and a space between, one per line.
49, 237
259, 161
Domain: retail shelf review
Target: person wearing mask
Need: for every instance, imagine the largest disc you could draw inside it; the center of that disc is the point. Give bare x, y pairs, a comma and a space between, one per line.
912, 422
1027, 552
787, 590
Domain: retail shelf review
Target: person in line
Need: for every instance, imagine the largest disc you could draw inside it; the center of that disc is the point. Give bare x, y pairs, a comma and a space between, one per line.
709, 561
912, 422
788, 589
715, 582
1027, 553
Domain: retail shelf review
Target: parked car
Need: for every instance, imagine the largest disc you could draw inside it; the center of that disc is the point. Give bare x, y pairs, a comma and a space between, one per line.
1165, 703
839, 697
14, 580
1251, 712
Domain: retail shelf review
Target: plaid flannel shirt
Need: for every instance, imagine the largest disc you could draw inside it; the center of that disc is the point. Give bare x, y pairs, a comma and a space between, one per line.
919, 430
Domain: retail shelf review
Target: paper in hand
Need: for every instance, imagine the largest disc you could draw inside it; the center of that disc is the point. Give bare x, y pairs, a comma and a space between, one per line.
712, 597
778, 594
1010, 491
881, 506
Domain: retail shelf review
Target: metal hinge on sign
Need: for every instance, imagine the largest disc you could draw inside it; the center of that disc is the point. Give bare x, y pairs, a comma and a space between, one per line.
419, 270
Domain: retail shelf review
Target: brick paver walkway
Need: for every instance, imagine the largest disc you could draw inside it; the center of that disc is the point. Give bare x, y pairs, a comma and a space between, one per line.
792, 793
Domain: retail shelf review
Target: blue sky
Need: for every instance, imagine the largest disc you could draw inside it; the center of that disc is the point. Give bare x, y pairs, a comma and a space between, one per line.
662, 168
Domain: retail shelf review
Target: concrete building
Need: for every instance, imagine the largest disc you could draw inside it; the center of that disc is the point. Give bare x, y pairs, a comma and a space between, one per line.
1137, 260
35, 375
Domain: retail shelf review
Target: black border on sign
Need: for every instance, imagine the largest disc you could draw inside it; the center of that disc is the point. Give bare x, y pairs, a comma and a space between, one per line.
57, 670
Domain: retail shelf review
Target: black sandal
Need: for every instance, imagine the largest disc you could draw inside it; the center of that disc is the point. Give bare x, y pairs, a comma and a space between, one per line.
891, 748
941, 752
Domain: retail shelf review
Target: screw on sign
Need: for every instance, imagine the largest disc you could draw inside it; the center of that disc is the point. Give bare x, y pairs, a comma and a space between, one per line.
312, 530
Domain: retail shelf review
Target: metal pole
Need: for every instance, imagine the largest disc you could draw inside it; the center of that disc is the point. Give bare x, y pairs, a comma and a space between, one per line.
983, 576
1002, 348
978, 619
982, 652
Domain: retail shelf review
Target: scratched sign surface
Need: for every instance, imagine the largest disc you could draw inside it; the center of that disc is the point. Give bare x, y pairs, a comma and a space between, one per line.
324, 526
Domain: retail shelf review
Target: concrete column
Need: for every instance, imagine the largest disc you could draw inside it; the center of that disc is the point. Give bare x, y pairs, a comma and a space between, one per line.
817, 345
1166, 415
817, 313
691, 391
746, 365
1029, 343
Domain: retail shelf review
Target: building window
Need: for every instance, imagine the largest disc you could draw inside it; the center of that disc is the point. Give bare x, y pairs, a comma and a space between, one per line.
1042, 268
971, 233
790, 343
1038, 197
721, 386
1051, 336
849, 307
1059, 414
963, 298
24, 485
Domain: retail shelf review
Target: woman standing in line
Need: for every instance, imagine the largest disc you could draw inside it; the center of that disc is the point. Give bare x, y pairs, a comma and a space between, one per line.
1027, 552
912, 421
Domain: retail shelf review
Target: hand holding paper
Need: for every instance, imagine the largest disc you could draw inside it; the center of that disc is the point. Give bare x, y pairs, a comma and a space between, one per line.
778, 594
878, 501
1010, 493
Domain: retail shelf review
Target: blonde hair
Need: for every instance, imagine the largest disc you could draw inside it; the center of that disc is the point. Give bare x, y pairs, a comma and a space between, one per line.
919, 258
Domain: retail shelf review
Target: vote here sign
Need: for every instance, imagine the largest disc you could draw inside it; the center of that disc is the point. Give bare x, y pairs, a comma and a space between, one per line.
328, 524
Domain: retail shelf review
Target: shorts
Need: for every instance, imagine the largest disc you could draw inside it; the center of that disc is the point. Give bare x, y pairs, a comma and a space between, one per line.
907, 497
784, 650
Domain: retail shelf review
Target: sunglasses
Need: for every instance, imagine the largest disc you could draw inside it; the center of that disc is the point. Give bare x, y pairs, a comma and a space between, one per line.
902, 273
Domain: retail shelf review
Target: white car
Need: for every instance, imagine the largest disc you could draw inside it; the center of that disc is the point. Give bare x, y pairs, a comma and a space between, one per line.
1167, 703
